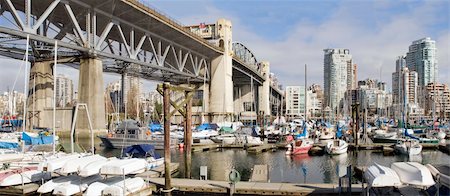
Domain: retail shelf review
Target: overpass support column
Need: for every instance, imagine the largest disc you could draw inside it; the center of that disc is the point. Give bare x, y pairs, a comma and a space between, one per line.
91, 92
221, 81
264, 90
40, 94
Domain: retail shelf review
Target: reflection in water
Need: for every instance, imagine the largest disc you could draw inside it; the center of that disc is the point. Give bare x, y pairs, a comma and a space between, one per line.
295, 169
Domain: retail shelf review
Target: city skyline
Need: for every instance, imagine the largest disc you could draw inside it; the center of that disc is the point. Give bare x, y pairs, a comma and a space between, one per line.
290, 34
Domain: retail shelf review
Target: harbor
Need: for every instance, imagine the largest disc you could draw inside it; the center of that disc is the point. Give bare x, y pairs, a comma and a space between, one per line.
117, 98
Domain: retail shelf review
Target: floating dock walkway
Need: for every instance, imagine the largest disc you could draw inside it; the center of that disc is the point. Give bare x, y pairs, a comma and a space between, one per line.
261, 148
205, 187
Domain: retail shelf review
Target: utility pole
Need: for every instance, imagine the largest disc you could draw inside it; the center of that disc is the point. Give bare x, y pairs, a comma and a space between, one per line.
188, 137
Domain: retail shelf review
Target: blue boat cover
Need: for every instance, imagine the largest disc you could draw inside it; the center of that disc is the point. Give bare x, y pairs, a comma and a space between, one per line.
155, 127
141, 150
9, 145
41, 139
207, 126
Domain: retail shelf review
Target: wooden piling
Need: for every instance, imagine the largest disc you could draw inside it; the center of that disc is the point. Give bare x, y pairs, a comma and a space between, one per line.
166, 105
188, 138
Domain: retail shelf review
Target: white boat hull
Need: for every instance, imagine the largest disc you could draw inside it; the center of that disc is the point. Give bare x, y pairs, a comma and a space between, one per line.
75, 165
25, 178
414, 174
124, 167
94, 167
132, 185
381, 176
333, 149
50, 185
76, 186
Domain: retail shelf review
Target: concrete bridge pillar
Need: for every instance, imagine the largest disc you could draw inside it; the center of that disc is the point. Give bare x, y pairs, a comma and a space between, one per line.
221, 83
91, 92
264, 90
40, 94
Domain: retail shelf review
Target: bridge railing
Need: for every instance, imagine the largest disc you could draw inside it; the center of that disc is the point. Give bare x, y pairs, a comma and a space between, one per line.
171, 21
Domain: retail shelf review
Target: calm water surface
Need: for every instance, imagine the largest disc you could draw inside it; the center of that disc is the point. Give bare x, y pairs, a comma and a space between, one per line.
296, 169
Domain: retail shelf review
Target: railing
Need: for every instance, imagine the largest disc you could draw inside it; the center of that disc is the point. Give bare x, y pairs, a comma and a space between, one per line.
159, 14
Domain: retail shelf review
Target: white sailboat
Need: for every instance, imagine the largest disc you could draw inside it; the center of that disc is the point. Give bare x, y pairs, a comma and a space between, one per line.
414, 174
408, 147
336, 146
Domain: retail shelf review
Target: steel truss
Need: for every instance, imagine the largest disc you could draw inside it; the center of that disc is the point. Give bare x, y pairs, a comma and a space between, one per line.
125, 37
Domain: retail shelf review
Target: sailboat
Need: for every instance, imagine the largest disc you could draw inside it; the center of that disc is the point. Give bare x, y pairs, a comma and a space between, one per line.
408, 147
336, 146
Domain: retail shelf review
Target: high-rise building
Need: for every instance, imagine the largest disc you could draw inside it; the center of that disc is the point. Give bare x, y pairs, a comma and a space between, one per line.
64, 91
339, 76
437, 100
315, 99
404, 89
295, 101
421, 58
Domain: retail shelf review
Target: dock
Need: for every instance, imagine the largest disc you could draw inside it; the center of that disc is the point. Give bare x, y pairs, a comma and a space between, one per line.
261, 148
159, 171
445, 148
210, 187
260, 173
27, 189
204, 147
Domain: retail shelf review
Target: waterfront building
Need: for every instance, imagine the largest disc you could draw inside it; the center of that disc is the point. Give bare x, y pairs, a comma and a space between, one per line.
314, 100
405, 88
437, 97
64, 91
371, 95
421, 58
295, 101
339, 76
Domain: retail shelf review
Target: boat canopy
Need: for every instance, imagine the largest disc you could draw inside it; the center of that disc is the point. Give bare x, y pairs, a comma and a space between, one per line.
8, 145
226, 130
155, 127
141, 150
128, 125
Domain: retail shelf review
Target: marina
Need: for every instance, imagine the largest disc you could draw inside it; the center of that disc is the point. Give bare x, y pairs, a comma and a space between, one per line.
218, 120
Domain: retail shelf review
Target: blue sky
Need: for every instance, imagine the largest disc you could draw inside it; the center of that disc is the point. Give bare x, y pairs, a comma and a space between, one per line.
291, 33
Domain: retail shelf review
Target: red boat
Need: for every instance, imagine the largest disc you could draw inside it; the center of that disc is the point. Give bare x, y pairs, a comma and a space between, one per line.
301, 146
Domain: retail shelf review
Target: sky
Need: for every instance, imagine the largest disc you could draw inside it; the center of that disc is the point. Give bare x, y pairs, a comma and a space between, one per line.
290, 34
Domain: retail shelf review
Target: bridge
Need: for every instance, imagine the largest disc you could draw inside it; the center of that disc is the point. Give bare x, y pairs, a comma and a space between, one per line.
128, 38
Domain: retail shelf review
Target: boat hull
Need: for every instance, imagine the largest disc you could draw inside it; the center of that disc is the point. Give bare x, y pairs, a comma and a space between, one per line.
111, 142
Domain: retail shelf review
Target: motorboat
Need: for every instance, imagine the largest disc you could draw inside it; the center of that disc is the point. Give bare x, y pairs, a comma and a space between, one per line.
124, 167
336, 146
129, 133
441, 173
146, 151
25, 177
235, 138
414, 174
381, 180
75, 165
382, 136
128, 186
408, 147
76, 186
326, 134
301, 146
94, 167
438, 134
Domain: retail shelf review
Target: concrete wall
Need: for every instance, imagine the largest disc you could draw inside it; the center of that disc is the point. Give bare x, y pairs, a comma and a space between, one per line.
63, 118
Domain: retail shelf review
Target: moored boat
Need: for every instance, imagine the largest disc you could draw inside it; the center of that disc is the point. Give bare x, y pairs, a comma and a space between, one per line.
94, 167
76, 186
75, 165
441, 173
336, 146
301, 146
124, 167
25, 177
408, 147
129, 186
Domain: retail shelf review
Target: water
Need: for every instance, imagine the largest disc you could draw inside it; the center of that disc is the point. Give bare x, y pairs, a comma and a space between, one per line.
295, 169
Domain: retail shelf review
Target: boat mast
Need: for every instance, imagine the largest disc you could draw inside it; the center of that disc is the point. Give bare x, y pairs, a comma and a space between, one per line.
306, 95
54, 96
25, 89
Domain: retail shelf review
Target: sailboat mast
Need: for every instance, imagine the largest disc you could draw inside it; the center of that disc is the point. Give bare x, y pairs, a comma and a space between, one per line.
25, 89
306, 94
54, 96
